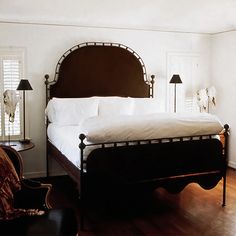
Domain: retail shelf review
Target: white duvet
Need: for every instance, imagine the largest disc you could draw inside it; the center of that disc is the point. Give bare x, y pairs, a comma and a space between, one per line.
152, 126
127, 128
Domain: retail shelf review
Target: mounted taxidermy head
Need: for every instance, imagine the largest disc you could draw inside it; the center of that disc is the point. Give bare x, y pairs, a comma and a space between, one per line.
211, 92
10, 101
202, 99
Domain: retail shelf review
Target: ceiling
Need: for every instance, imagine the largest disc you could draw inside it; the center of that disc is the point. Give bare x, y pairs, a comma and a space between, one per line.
195, 16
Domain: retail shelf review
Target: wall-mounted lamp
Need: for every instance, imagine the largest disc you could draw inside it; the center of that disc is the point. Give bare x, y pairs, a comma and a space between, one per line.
24, 85
175, 80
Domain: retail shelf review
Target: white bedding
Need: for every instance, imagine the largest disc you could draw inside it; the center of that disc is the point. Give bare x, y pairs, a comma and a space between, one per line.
128, 128
66, 139
152, 126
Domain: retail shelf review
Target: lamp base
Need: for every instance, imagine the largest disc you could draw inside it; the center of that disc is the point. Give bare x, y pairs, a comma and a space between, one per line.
24, 141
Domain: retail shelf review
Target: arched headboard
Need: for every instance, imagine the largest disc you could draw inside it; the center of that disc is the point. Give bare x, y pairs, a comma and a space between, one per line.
99, 69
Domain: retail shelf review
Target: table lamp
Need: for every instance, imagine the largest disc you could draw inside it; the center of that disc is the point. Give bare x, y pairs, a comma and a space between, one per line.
24, 85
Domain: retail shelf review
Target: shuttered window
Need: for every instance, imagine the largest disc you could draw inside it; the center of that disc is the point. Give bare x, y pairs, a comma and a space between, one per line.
11, 70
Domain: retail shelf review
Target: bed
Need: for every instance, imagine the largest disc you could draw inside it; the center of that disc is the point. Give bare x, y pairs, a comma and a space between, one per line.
91, 74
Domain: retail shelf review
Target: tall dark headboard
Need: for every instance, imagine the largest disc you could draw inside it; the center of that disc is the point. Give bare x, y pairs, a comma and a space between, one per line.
99, 69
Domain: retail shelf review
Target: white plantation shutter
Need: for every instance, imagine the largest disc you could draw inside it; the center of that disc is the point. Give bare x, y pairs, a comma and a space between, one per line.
188, 104
191, 105
11, 72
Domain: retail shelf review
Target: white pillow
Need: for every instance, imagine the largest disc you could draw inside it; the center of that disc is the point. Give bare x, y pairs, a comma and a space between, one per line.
113, 106
144, 106
71, 111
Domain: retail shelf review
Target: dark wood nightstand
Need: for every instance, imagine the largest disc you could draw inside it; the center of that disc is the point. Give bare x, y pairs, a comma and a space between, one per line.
18, 146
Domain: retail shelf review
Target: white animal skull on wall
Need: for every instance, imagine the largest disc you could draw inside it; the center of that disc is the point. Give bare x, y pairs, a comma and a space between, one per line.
211, 92
10, 100
205, 97
202, 99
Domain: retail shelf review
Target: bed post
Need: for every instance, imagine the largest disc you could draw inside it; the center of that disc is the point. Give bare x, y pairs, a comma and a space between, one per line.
226, 135
151, 84
81, 182
47, 99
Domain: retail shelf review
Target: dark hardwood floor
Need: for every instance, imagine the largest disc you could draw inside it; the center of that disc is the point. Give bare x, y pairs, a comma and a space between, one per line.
194, 211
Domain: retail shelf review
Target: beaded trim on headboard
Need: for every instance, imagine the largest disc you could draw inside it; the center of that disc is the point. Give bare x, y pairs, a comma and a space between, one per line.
100, 69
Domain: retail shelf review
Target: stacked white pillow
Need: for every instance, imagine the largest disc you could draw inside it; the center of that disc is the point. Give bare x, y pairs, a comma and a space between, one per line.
113, 106
145, 106
73, 111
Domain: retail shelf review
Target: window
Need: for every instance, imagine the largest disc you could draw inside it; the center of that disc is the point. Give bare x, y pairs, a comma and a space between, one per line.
11, 71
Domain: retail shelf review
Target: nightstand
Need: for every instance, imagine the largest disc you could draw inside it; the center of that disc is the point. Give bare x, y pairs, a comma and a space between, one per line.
18, 146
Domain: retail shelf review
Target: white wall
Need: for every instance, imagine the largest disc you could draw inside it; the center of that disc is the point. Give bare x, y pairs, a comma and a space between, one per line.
45, 44
224, 78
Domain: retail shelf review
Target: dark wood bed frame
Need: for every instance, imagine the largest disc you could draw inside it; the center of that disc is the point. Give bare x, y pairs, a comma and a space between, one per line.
109, 69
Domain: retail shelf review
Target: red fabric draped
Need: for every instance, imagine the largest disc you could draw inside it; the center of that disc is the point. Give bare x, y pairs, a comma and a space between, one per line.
9, 184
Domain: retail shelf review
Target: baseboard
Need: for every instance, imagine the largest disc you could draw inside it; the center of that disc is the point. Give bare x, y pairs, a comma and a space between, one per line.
232, 164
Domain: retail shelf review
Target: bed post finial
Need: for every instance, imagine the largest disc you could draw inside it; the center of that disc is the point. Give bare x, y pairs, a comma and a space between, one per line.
151, 84
82, 138
46, 79
152, 79
226, 126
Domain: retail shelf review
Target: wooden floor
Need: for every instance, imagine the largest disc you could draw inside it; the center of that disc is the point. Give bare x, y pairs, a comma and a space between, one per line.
194, 211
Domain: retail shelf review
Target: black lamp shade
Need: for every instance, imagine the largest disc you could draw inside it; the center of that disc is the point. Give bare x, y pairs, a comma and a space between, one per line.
175, 80
24, 85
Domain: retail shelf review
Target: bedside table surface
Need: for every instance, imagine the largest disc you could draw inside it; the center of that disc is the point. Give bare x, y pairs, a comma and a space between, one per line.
18, 146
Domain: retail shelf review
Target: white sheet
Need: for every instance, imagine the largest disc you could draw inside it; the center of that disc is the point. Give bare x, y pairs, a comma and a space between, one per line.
66, 139
126, 128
